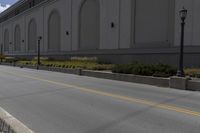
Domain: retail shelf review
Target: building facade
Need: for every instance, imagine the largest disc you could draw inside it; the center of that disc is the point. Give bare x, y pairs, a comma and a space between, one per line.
117, 31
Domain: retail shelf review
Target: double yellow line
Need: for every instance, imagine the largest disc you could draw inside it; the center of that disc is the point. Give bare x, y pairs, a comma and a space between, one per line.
116, 96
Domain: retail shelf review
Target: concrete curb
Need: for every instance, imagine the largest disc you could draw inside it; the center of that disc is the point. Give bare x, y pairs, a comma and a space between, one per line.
172, 82
9, 124
157, 81
193, 85
164, 82
179, 82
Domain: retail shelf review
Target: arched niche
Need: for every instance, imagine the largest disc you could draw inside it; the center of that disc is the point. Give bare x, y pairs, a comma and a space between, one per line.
32, 35
54, 31
17, 38
89, 18
6, 40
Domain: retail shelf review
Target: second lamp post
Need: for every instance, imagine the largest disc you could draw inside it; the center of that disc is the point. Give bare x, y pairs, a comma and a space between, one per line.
38, 52
183, 15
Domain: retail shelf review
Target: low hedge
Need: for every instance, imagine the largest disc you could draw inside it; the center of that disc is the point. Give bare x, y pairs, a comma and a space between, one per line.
158, 70
2, 57
193, 72
10, 59
90, 65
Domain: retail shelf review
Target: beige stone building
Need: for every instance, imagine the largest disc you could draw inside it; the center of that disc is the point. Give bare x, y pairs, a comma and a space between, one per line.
113, 30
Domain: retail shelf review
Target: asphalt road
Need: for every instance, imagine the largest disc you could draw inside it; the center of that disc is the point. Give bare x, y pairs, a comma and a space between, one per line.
50, 102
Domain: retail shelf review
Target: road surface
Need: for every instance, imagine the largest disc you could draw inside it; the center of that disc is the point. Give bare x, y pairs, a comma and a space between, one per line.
51, 102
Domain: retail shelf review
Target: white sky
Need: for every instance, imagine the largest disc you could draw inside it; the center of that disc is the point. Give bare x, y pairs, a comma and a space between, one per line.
4, 4
4, 7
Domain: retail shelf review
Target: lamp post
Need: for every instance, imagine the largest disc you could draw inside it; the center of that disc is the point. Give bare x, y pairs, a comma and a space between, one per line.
183, 15
1, 53
38, 52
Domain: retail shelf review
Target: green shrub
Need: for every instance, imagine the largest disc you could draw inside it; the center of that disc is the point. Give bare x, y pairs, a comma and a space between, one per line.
165, 69
10, 59
2, 57
100, 67
160, 70
83, 63
134, 68
48, 65
142, 69
193, 72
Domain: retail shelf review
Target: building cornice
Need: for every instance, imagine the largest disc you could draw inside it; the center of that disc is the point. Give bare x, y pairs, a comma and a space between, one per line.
18, 8
13, 7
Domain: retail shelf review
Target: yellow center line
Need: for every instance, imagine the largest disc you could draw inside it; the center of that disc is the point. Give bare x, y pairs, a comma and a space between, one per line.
116, 96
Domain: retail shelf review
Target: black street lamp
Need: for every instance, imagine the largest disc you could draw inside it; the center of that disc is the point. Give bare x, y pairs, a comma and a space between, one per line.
1, 53
183, 15
38, 52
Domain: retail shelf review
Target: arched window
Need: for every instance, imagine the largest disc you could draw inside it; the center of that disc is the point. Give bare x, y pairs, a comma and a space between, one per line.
54, 31
89, 25
6, 40
32, 36
17, 38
